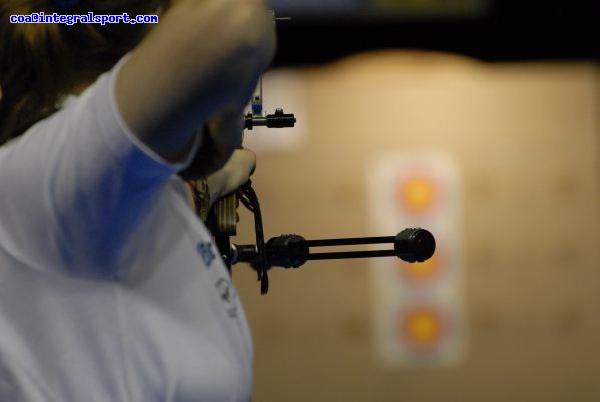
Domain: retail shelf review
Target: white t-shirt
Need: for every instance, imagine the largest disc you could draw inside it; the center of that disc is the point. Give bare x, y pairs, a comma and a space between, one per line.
111, 289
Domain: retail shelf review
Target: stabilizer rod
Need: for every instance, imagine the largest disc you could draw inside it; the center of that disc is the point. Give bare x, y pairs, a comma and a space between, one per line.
292, 251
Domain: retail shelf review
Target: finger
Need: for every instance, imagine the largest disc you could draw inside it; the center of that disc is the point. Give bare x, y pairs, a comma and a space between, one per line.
250, 157
244, 159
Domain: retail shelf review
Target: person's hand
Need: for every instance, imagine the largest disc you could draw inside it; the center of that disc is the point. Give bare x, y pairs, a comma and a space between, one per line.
232, 175
221, 135
225, 130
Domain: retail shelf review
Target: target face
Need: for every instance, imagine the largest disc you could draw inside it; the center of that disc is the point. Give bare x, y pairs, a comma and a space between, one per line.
418, 193
418, 307
421, 328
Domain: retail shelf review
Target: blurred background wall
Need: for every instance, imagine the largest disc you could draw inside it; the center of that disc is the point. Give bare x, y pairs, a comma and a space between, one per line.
521, 137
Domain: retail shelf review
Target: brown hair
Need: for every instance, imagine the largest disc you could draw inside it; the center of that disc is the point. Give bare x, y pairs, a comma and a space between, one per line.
41, 63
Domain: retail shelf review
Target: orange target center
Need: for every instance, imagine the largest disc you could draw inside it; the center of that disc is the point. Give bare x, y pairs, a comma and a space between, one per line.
423, 327
417, 194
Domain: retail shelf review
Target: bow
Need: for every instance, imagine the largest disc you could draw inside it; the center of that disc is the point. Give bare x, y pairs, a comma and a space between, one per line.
291, 250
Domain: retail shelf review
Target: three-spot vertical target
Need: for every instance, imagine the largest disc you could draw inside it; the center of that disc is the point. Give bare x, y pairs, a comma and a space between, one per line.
418, 308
